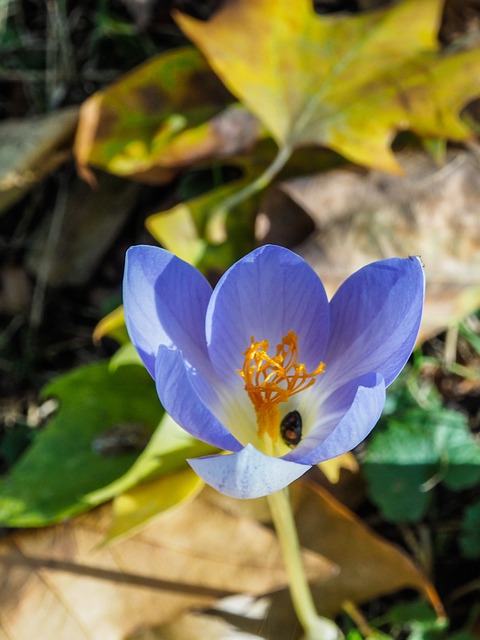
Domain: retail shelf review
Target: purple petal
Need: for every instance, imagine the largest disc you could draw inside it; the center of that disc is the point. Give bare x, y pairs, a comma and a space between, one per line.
248, 473
347, 417
375, 318
184, 393
266, 294
165, 302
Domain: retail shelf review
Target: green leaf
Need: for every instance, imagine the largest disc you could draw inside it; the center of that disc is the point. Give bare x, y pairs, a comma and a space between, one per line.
66, 463
398, 490
126, 354
416, 617
167, 451
470, 536
354, 634
345, 82
418, 448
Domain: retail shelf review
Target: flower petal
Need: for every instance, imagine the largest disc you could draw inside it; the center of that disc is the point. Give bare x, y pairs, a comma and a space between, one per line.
183, 392
351, 413
248, 473
266, 294
165, 302
375, 317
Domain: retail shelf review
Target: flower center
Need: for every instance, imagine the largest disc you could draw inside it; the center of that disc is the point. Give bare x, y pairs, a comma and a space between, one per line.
270, 380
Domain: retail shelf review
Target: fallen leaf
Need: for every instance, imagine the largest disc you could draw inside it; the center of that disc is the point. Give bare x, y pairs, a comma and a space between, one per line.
135, 508
332, 468
196, 626
431, 211
345, 82
197, 230
54, 581
256, 508
176, 230
169, 112
370, 566
113, 326
30, 148
235, 130
329, 528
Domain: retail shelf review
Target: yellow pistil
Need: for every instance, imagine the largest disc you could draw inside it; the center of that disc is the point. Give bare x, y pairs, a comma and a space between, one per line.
272, 380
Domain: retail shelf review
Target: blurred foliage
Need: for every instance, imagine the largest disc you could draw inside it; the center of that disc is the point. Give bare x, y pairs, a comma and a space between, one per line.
413, 449
270, 91
470, 536
335, 73
75, 454
99, 445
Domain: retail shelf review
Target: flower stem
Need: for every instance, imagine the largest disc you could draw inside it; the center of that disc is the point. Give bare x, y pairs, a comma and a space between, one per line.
315, 626
259, 183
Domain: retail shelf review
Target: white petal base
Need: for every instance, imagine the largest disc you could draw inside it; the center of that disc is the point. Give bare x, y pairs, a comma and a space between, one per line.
248, 473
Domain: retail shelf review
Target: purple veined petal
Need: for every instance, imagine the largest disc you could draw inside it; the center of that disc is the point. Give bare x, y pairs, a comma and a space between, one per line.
178, 388
266, 294
345, 419
165, 301
374, 318
248, 473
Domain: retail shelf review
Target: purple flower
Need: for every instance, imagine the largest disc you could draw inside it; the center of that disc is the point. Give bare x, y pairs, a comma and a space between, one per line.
264, 366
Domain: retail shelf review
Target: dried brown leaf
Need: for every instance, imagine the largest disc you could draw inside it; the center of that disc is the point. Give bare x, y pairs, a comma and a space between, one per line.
196, 626
30, 148
432, 211
369, 566
57, 580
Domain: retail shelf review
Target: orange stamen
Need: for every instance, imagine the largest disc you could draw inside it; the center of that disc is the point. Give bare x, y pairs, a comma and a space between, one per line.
272, 380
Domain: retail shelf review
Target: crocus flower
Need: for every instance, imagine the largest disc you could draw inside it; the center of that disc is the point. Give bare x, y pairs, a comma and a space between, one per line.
263, 366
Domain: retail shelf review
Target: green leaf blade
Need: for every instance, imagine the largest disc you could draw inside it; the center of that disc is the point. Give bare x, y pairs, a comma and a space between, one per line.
50, 481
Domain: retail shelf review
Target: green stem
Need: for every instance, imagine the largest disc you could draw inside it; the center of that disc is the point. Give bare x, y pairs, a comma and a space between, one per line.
262, 181
315, 627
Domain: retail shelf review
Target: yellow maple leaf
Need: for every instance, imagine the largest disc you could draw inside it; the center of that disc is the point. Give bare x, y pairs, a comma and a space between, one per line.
348, 83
